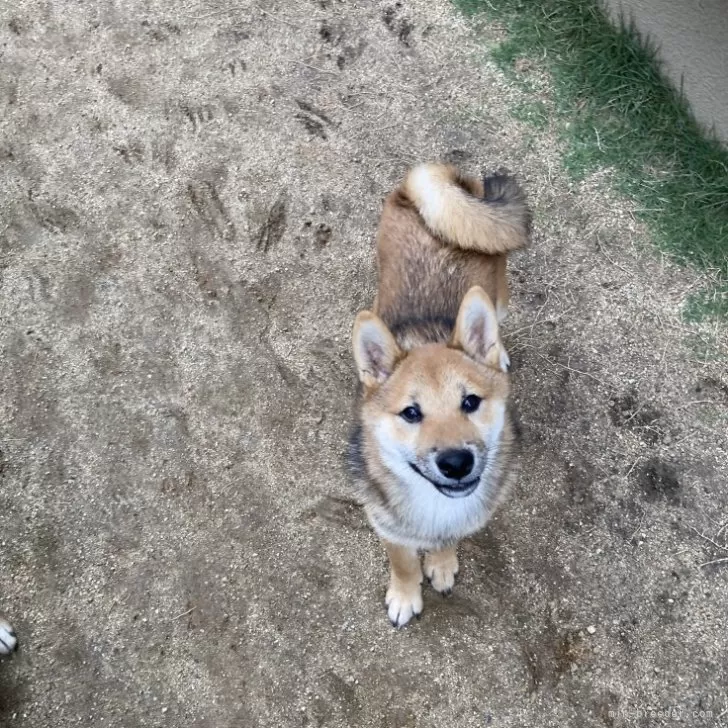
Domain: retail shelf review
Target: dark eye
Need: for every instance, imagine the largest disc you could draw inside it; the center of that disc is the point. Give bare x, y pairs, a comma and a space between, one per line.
411, 414
471, 403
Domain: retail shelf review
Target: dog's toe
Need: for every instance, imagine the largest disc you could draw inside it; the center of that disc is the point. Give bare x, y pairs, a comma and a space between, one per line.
8, 638
441, 569
505, 361
403, 603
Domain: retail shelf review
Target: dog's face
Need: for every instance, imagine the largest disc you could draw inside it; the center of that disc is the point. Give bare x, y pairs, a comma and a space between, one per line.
437, 413
437, 417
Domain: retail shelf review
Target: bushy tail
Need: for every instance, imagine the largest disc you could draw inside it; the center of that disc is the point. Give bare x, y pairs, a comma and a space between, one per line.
489, 216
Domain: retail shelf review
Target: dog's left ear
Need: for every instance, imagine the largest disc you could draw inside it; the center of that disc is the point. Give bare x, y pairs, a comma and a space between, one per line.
476, 330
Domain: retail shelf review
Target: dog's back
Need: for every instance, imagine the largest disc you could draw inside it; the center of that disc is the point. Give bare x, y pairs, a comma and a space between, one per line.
441, 233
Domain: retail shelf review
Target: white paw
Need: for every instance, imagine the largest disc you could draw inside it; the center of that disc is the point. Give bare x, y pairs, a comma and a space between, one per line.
441, 570
403, 602
8, 640
505, 360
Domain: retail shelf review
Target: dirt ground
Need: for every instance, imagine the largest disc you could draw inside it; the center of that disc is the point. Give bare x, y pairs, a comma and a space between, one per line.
189, 192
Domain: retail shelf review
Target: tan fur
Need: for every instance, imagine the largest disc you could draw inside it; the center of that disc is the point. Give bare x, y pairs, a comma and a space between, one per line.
451, 206
432, 341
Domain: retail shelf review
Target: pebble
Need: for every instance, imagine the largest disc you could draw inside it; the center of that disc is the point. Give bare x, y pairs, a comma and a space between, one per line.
591, 629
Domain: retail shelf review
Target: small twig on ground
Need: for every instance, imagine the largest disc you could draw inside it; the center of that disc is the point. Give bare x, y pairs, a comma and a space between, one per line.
540, 322
231, 8
634, 465
709, 540
183, 290
540, 310
599, 141
673, 445
634, 414
210, 15
616, 265
639, 526
571, 369
278, 18
695, 402
184, 614
716, 561
316, 68
681, 551
384, 128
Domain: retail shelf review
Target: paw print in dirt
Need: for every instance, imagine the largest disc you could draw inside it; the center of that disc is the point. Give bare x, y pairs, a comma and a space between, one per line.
402, 27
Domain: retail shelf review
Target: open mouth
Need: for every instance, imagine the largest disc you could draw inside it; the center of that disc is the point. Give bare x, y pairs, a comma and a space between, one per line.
456, 490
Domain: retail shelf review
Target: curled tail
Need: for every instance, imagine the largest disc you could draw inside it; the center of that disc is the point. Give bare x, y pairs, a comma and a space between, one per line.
490, 216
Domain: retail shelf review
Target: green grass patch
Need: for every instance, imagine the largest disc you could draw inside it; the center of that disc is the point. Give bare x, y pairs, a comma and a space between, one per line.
534, 113
614, 109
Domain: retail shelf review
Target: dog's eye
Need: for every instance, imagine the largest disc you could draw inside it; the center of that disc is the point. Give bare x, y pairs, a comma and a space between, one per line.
411, 414
471, 403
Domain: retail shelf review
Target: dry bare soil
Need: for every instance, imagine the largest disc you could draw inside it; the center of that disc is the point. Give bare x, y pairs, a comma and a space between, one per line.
188, 197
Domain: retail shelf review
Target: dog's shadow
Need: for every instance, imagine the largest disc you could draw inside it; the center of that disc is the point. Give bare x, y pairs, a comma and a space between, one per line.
12, 688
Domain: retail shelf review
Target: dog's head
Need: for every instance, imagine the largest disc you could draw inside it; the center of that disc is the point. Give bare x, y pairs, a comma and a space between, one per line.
435, 416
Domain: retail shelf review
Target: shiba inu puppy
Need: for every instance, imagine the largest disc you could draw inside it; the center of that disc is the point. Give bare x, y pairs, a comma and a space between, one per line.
8, 638
431, 452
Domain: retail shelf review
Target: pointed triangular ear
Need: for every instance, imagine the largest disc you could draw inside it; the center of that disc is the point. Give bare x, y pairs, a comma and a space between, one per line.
375, 349
476, 330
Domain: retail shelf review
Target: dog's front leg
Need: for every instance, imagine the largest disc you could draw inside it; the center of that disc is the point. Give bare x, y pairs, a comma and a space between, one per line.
404, 596
441, 567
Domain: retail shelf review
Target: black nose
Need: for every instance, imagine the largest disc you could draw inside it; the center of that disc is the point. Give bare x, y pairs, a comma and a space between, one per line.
455, 464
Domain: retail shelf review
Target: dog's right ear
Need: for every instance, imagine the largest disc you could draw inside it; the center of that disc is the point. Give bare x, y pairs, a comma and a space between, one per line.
375, 350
